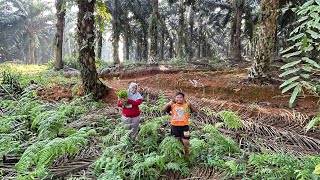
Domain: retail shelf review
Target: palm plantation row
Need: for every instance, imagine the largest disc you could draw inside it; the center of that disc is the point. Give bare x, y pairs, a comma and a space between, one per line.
57, 126
153, 31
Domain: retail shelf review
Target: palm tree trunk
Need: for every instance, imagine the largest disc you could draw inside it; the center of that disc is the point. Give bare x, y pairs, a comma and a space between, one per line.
126, 49
32, 54
138, 50
204, 48
116, 32
171, 49
59, 34
126, 38
145, 43
200, 39
235, 36
100, 43
266, 33
29, 55
153, 33
180, 30
162, 43
191, 26
89, 76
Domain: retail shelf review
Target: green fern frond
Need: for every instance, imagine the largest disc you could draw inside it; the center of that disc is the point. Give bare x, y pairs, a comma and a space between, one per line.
161, 120
220, 143
313, 123
29, 157
113, 137
197, 146
231, 119
8, 143
171, 148
42, 153
208, 111
210, 129
136, 158
172, 166
8, 123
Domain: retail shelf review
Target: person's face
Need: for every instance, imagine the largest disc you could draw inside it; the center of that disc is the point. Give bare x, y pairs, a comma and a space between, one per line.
134, 89
179, 99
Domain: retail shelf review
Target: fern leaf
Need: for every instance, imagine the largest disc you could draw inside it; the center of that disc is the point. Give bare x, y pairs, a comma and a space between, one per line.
288, 72
312, 62
290, 87
231, 119
313, 123
296, 90
289, 81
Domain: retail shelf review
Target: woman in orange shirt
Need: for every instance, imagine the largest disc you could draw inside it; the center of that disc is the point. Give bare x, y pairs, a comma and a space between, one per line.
180, 119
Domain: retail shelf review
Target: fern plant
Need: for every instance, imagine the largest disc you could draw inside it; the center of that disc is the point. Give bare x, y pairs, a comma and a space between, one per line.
282, 166
313, 123
149, 166
15, 123
301, 71
42, 153
148, 135
231, 119
49, 123
171, 148
198, 150
218, 143
157, 107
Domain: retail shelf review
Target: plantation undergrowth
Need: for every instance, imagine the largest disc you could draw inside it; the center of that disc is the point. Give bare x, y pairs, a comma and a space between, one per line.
155, 154
43, 133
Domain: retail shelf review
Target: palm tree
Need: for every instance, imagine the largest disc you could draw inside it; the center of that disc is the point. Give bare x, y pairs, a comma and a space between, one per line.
191, 15
181, 25
116, 32
27, 28
9, 17
153, 33
236, 30
59, 34
266, 33
86, 59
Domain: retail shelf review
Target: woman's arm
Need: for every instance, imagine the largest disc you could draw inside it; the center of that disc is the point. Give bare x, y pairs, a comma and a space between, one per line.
119, 103
135, 102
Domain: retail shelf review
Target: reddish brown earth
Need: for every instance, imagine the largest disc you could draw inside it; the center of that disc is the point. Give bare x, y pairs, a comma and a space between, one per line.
55, 93
229, 86
111, 97
215, 86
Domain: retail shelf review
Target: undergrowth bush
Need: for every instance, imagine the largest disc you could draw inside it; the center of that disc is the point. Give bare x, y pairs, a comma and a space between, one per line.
155, 153
301, 70
40, 132
156, 107
282, 166
41, 75
231, 119
43, 152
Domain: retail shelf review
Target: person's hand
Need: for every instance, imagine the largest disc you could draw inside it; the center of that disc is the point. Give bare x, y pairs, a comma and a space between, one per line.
188, 103
124, 100
171, 102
